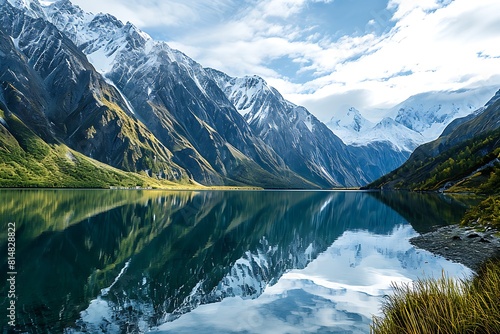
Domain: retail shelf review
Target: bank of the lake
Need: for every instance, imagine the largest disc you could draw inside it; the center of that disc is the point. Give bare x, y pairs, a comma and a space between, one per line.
443, 304
463, 244
474, 241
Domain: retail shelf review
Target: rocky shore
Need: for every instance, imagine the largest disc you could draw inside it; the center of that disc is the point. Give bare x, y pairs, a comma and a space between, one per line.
461, 244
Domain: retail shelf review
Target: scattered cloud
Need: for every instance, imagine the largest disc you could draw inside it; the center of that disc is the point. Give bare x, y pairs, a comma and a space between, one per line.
431, 47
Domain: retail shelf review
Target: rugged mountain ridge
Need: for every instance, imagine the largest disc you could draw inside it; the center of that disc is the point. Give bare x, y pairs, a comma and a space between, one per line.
195, 125
182, 117
305, 143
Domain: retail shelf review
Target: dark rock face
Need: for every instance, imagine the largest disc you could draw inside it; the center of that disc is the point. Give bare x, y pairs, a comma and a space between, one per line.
306, 145
378, 158
463, 245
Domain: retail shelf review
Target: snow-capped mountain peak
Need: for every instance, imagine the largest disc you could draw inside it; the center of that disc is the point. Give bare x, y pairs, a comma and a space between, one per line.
429, 113
102, 37
355, 130
386, 123
417, 120
244, 92
402, 138
32, 7
351, 121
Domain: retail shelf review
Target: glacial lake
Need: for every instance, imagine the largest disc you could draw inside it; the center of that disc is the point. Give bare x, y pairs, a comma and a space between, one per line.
127, 261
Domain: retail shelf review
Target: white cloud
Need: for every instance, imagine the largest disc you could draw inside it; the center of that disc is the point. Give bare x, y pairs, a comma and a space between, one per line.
436, 48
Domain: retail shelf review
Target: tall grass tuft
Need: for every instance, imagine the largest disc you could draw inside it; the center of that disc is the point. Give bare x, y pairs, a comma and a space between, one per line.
444, 305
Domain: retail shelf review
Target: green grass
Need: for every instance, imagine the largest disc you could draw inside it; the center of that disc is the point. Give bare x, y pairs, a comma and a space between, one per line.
460, 164
485, 214
27, 161
444, 305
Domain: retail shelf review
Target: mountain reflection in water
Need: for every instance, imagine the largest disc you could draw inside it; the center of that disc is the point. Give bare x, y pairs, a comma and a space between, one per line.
215, 261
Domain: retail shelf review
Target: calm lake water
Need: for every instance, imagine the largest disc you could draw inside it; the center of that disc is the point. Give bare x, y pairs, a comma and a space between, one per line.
214, 261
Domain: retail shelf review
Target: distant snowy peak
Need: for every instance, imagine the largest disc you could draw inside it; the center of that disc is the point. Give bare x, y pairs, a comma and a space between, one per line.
417, 120
429, 119
351, 121
429, 113
355, 130
401, 137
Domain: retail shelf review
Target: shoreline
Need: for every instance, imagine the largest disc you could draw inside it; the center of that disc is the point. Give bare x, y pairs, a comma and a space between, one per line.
187, 188
464, 245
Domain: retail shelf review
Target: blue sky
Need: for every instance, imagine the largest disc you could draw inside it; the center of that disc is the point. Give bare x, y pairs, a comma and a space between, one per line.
329, 55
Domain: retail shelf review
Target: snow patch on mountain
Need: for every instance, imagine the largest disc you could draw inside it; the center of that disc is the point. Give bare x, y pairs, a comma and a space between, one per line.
418, 120
356, 130
401, 138
429, 113
352, 121
46, 2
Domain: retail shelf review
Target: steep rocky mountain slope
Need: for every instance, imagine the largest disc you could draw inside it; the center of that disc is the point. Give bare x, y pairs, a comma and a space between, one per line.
49, 84
176, 103
307, 146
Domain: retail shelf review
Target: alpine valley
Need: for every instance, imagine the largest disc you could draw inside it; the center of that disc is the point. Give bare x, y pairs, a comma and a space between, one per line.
465, 158
89, 101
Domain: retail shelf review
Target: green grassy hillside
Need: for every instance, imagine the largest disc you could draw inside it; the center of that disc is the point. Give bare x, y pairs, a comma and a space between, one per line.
28, 161
469, 166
